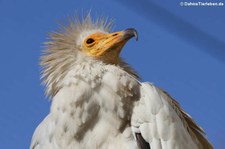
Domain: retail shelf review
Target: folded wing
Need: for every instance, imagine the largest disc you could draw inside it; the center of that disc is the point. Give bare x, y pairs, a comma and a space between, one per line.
160, 120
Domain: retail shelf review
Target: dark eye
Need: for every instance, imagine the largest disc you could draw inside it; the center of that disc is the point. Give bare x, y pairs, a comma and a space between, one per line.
89, 41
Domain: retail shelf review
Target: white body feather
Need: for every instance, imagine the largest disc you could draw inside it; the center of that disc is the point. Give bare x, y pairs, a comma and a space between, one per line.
95, 110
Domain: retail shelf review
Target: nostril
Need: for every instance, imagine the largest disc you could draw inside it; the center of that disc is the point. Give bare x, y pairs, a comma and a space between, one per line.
115, 34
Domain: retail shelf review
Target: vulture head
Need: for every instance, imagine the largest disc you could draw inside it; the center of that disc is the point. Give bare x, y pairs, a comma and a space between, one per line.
83, 40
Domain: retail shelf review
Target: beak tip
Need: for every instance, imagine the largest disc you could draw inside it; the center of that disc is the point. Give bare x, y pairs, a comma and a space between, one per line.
136, 37
135, 34
131, 32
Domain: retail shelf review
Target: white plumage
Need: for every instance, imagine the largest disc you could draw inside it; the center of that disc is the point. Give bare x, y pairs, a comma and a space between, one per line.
102, 105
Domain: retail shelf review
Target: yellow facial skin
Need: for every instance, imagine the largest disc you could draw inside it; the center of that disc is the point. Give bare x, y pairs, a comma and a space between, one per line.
103, 46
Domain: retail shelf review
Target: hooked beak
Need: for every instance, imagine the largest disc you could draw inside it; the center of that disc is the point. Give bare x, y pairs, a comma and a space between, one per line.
118, 39
129, 33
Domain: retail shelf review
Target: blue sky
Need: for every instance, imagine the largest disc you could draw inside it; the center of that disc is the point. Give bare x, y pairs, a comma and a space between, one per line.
180, 49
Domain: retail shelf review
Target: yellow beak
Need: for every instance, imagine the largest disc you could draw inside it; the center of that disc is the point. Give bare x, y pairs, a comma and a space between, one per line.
108, 46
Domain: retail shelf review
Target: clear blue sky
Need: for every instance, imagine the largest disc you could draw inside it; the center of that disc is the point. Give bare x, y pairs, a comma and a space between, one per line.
180, 49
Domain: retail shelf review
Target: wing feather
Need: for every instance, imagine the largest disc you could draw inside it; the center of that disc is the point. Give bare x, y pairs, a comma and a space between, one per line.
163, 123
142, 144
196, 132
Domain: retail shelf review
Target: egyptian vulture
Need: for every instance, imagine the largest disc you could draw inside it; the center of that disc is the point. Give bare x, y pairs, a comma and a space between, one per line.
98, 101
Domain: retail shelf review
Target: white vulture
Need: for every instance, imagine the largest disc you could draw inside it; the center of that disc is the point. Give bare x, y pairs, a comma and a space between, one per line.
98, 101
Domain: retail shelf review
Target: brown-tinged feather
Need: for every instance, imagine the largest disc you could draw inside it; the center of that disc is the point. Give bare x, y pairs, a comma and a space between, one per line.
196, 132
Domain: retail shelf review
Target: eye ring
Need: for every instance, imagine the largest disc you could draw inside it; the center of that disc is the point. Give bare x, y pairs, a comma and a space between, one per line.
90, 40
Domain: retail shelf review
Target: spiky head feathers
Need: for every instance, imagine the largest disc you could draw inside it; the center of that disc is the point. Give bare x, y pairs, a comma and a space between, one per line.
82, 40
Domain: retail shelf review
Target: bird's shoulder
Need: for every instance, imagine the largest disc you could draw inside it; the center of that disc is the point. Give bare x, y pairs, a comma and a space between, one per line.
42, 136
